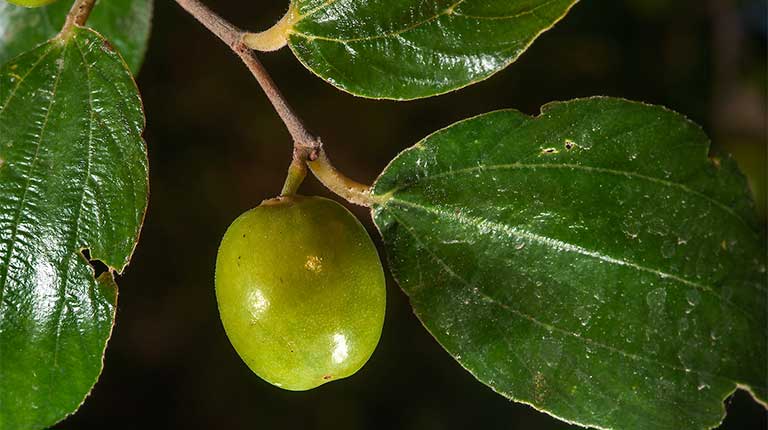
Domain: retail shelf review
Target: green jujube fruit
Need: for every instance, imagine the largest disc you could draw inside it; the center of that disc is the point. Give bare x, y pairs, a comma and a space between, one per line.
31, 3
301, 291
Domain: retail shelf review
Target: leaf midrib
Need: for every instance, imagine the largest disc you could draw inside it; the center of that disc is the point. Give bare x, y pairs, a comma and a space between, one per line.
72, 243
582, 169
560, 245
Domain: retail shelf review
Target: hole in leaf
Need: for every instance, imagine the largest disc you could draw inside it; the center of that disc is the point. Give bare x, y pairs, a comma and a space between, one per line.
99, 268
549, 151
569, 144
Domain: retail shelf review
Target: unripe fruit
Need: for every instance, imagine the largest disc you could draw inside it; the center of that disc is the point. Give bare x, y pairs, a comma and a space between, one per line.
301, 291
31, 3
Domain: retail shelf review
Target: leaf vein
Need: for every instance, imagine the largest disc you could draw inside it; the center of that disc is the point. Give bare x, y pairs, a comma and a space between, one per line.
559, 245
507, 17
317, 9
395, 33
78, 215
23, 78
582, 168
22, 202
550, 327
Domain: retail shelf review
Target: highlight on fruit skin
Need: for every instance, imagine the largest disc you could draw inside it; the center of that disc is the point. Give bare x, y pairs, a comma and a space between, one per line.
31, 3
301, 291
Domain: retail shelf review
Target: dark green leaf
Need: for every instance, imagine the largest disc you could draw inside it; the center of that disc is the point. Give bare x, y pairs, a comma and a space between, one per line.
125, 23
407, 49
591, 262
73, 177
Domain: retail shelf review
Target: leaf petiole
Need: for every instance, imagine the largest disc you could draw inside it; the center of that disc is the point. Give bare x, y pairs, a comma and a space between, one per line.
274, 37
350, 190
77, 16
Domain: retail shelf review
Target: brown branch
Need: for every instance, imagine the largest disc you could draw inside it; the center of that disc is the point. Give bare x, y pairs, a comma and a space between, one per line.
307, 149
306, 145
78, 15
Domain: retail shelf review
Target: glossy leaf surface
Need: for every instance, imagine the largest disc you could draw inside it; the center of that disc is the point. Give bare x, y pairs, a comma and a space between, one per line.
407, 49
73, 176
591, 262
125, 23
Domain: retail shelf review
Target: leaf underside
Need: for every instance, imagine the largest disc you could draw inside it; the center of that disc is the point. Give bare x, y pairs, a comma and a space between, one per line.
591, 262
73, 176
408, 49
125, 23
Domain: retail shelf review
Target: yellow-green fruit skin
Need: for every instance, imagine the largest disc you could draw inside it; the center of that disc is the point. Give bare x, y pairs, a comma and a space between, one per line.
301, 291
31, 3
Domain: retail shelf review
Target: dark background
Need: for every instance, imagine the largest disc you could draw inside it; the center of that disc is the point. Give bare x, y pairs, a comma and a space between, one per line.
216, 149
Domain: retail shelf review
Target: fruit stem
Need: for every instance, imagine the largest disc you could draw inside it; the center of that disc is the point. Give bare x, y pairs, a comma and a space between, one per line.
274, 37
297, 171
350, 190
307, 147
77, 16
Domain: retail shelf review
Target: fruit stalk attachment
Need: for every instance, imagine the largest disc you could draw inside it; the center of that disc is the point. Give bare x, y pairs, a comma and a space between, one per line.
297, 171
